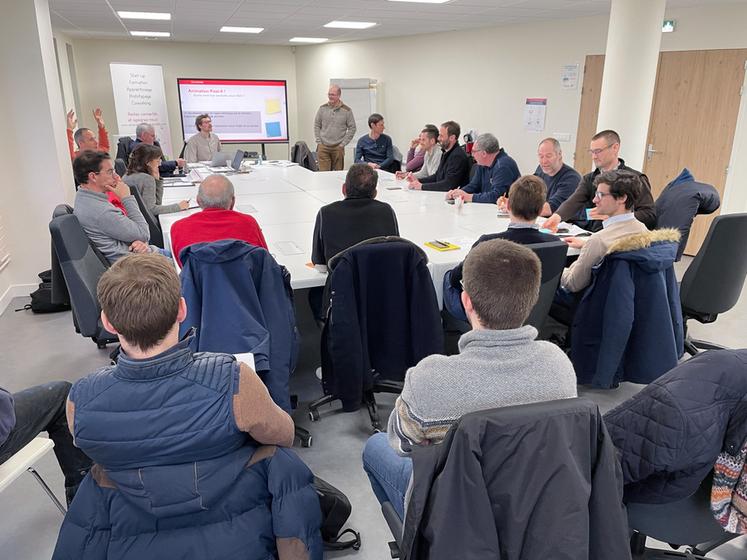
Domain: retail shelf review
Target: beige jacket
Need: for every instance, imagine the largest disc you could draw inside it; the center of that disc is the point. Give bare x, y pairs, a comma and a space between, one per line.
577, 276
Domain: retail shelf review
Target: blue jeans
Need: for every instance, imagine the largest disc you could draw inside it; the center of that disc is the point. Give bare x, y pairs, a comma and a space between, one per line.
42, 409
388, 472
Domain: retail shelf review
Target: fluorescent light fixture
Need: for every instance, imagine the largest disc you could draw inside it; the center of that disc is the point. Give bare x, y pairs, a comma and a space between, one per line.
423, 1
150, 33
144, 15
229, 29
350, 24
309, 40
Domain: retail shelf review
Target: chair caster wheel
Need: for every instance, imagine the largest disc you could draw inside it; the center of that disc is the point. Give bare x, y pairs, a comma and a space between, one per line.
306, 442
314, 415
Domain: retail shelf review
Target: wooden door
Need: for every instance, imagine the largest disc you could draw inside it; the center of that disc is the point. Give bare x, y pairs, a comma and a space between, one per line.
693, 119
587, 117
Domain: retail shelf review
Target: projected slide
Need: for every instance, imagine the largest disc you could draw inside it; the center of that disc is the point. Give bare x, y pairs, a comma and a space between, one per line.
246, 111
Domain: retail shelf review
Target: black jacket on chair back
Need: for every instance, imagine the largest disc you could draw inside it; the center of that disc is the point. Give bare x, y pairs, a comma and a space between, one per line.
531, 482
383, 317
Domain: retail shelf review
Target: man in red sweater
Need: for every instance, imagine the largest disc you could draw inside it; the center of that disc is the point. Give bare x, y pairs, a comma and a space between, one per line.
218, 220
84, 137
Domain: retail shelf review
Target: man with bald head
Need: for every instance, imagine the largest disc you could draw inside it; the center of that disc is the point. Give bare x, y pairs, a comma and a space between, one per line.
218, 220
334, 127
146, 134
561, 179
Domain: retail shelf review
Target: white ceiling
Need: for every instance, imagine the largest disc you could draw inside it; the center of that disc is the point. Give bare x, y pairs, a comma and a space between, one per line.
200, 20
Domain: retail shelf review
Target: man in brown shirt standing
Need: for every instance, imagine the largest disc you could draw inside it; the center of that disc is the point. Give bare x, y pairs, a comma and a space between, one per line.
604, 150
334, 127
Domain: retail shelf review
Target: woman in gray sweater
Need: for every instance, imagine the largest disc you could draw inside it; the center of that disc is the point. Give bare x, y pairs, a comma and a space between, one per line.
143, 175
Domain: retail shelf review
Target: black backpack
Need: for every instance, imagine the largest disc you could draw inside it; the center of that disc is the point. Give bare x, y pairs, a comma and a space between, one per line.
335, 511
41, 299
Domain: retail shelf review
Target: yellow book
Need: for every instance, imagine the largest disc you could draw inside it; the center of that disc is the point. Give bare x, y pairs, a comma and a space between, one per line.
442, 245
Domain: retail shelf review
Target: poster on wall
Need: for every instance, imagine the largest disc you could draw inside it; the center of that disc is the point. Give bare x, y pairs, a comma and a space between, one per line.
569, 76
140, 97
534, 114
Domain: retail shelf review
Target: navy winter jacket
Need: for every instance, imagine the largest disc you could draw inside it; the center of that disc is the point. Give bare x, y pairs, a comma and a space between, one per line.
628, 325
383, 317
679, 203
240, 300
670, 433
174, 475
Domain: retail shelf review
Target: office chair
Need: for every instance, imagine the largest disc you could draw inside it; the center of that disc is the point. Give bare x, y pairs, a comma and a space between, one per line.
120, 167
713, 282
688, 522
82, 265
383, 318
156, 234
552, 256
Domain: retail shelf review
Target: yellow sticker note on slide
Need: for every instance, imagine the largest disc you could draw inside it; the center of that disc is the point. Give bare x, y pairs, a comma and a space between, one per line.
272, 106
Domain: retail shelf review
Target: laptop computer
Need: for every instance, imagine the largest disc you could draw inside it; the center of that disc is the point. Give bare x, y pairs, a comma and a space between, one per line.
237, 159
219, 159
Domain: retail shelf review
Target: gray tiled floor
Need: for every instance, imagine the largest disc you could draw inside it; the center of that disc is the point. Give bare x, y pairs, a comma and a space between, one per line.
39, 348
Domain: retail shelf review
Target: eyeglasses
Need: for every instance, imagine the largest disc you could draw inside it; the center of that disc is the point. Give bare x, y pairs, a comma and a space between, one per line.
598, 151
600, 194
108, 172
461, 283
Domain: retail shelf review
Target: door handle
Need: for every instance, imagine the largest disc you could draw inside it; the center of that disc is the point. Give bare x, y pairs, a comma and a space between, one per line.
650, 151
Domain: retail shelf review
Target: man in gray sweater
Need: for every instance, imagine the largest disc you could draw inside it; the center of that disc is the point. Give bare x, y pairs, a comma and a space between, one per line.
334, 127
499, 364
114, 232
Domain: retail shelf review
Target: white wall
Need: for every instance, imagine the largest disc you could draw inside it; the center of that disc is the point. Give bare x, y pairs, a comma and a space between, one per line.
179, 60
478, 78
34, 155
481, 78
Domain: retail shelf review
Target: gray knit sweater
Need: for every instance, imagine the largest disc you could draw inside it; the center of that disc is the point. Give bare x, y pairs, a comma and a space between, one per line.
492, 369
107, 227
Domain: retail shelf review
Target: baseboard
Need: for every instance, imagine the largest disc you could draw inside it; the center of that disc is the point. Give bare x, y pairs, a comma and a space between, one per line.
14, 291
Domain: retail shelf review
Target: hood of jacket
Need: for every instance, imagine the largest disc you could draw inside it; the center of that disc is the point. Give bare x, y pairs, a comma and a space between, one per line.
217, 251
652, 251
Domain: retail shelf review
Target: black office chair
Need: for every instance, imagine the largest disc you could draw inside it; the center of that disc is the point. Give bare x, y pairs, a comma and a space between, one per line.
120, 167
688, 522
82, 265
552, 255
713, 282
680, 202
383, 318
156, 235
125, 145
303, 156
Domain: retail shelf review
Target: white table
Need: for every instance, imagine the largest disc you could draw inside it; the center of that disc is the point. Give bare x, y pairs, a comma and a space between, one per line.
285, 202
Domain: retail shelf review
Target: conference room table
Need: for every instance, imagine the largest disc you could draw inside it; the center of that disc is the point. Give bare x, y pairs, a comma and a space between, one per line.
285, 200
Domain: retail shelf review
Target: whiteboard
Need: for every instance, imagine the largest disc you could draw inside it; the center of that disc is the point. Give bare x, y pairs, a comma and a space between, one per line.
360, 95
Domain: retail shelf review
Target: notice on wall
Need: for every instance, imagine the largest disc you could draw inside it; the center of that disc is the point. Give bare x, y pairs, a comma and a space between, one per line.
534, 114
569, 76
140, 97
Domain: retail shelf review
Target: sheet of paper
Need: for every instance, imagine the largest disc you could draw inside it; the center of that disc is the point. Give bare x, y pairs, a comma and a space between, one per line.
273, 129
289, 248
247, 358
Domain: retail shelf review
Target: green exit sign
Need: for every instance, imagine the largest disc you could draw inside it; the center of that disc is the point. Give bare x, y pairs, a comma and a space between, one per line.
668, 26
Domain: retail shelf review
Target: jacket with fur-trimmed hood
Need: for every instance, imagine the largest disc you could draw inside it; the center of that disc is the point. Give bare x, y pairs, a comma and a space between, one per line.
628, 325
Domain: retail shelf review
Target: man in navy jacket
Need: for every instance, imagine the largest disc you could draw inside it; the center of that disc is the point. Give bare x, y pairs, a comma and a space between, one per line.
496, 170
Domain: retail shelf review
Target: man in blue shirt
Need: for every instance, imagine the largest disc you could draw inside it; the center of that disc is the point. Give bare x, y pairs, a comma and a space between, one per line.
561, 179
495, 173
376, 148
